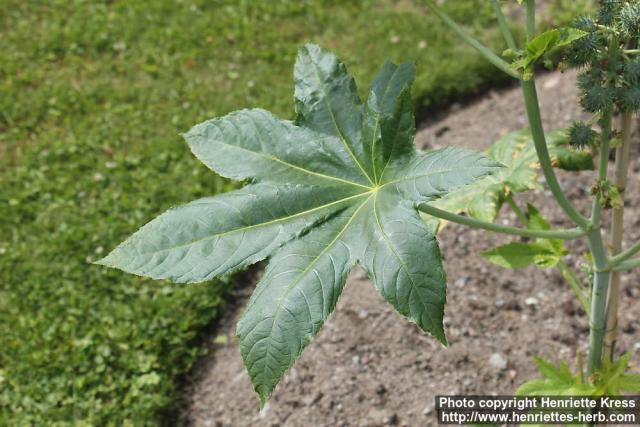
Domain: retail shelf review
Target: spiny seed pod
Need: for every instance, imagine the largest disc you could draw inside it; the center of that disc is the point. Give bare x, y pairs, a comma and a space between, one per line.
597, 98
630, 99
584, 50
631, 72
581, 135
607, 11
629, 19
585, 23
589, 78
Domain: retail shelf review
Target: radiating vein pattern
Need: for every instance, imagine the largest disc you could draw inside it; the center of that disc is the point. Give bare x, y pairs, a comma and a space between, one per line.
336, 188
404, 260
327, 100
389, 123
299, 290
217, 235
255, 144
433, 174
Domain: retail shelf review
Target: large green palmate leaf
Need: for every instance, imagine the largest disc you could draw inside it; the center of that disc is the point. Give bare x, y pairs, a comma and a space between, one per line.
336, 188
516, 151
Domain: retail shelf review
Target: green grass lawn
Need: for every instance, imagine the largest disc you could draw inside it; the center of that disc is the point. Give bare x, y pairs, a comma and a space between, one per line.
93, 96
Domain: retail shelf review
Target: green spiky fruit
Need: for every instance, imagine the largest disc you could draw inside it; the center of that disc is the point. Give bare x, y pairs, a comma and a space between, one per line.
590, 78
629, 19
597, 98
584, 23
630, 99
584, 50
581, 135
608, 10
631, 72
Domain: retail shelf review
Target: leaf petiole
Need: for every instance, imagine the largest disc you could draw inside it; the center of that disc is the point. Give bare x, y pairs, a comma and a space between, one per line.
626, 254
516, 209
629, 264
504, 27
504, 229
472, 41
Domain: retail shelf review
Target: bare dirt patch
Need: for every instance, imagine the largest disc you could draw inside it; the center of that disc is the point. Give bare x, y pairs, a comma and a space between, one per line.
370, 367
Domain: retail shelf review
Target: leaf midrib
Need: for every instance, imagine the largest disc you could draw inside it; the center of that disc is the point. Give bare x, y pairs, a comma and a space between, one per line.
307, 171
377, 128
263, 224
305, 271
335, 122
400, 260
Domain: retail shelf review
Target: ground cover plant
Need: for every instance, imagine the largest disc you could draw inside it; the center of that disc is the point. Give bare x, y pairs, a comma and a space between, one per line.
93, 95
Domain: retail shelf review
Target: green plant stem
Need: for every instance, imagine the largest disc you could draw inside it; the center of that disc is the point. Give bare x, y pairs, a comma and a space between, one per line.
531, 19
516, 209
605, 143
621, 169
540, 143
602, 267
601, 263
504, 229
627, 265
631, 51
504, 27
598, 317
575, 284
626, 254
471, 41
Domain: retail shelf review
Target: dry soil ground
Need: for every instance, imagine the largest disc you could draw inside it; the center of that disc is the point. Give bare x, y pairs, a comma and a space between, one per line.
370, 367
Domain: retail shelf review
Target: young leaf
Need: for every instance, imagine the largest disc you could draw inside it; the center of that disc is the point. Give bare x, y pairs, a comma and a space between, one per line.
538, 222
336, 188
629, 383
613, 379
546, 42
549, 371
484, 198
543, 253
557, 381
519, 255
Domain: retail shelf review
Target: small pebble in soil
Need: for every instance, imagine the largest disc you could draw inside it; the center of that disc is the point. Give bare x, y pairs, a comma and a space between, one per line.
390, 420
427, 410
498, 361
311, 400
569, 308
532, 301
513, 305
460, 282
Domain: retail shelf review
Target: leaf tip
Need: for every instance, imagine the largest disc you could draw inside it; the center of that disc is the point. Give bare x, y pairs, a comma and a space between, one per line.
105, 261
442, 338
264, 393
309, 49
